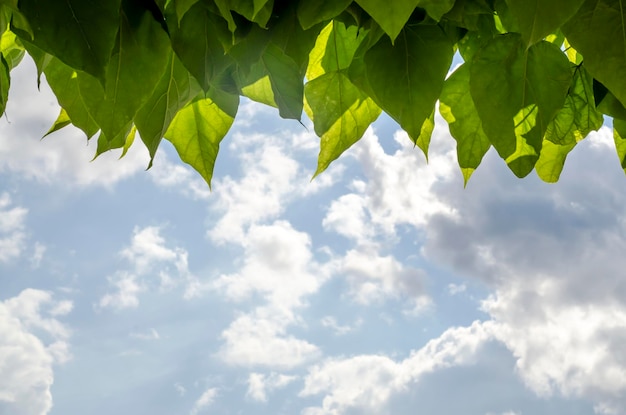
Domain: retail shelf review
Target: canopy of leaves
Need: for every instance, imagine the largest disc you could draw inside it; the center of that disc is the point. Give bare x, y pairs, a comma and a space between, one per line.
536, 76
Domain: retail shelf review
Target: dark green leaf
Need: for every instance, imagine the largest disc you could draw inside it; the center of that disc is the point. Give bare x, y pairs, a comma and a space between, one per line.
536, 19
597, 31
198, 129
390, 15
138, 63
311, 13
197, 43
175, 89
517, 92
78, 32
5, 83
407, 89
458, 109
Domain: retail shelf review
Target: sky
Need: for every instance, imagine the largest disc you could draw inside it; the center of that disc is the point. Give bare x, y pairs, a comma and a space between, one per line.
381, 287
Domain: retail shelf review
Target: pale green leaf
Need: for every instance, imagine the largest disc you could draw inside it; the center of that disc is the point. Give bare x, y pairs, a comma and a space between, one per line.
458, 109
619, 135
334, 49
78, 32
598, 32
130, 139
340, 112
198, 129
517, 92
579, 115
407, 89
11, 49
536, 19
551, 160
62, 121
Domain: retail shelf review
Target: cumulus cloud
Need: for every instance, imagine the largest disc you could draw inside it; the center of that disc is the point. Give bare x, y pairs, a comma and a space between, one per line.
367, 382
152, 265
33, 341
12, 234
204, 401
259, 384
553, 257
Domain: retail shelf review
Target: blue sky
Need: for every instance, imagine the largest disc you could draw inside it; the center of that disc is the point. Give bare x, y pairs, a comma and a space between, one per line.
381, 287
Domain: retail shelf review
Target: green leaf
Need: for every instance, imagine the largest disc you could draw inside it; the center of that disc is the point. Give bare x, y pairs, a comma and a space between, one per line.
113, 142
426, 132
182, 7
175, 89
130, 139
137, 65
579, 115
390, 15
63, 81
407, 89
197, 43
536, 19
340, 112
517, 92
80, 33
334, 49
436, 8
457, 108
11, 49
598, 31
551, 160
198, 129
311, 13
62, 121
619, 135
606, 101
5, 83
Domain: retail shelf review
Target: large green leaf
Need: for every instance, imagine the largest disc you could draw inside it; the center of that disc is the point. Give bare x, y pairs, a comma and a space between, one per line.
138, 63
538, 18
598, 31
334, 49
551, 160
407, 89
517, 92
436, 8
175, 89
311, 13
78, 32
197, 43
390, 15
63, 81
458, 109
340, 112
579, 115
199, 127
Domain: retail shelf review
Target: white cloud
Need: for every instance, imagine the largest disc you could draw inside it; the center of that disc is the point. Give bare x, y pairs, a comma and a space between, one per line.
455, 289
204, 401
152, 265
260, 339
375, 278
367, 382
278, 266
259, 384
12, 235
38, 252
32, 342
167, 173
62, 158
331, 323
151, 334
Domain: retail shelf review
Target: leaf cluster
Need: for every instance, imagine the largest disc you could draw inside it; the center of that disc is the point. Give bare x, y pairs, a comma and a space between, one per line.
537, 76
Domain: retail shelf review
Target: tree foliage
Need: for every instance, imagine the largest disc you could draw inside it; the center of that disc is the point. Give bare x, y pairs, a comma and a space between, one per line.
537, 76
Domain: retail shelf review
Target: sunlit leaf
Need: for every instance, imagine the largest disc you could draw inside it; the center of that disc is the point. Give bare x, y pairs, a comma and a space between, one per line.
198, 129
458, 109
62, 121
340, 112
619, 135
